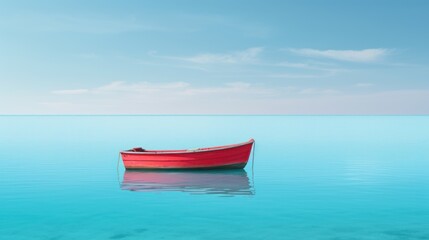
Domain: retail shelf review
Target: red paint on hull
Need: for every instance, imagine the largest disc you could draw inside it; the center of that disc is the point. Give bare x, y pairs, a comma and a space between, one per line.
229, 156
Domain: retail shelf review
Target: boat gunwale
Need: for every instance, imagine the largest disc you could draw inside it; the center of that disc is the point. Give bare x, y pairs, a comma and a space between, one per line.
188, 151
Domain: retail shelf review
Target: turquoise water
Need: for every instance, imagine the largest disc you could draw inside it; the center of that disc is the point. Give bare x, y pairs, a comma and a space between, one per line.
315, 177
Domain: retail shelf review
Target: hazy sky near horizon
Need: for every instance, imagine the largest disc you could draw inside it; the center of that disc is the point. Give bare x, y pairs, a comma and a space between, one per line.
214, 57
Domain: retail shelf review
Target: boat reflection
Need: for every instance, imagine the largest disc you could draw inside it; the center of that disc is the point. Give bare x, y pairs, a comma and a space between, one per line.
222, 182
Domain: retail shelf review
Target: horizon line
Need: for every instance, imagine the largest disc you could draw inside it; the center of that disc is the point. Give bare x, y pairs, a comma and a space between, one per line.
211, 115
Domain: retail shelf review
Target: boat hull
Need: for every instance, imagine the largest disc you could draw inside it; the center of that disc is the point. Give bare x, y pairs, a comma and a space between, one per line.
230, 156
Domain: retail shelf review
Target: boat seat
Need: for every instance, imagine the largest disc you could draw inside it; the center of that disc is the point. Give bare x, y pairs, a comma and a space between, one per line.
137, 149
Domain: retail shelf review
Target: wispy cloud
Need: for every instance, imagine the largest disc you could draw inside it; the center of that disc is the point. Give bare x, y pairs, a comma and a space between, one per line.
231, 98
168, 88
231, 89
139, 87
296, 75
249, 55
318, 91
365, 55
70, 91
364, 85
317, 69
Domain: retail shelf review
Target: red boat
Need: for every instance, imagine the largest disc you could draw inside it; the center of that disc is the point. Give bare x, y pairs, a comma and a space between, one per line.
228, 156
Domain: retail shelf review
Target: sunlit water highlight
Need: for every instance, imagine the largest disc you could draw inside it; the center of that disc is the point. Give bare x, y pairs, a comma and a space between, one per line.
315, 177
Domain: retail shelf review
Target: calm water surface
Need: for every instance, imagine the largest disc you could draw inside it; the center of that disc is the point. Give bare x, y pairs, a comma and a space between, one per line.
315, 177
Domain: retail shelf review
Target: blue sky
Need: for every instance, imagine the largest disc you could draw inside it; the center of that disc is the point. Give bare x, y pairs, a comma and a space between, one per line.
214, 57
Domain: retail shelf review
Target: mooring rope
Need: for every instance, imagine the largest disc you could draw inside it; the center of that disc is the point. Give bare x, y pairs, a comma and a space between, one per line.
117, 169
253, 164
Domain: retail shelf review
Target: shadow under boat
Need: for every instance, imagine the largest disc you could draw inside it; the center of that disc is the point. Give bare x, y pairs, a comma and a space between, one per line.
221, 182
